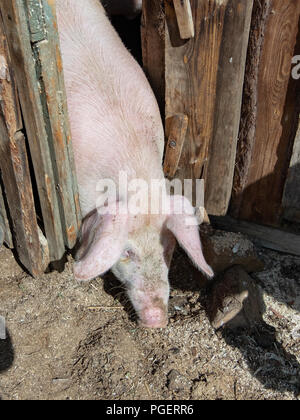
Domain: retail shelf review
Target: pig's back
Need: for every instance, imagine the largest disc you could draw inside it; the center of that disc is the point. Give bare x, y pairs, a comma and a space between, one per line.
114, 117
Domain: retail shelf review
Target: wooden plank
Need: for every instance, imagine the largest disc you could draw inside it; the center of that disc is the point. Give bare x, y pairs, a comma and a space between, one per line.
153, 47
24, 64
184, 18
31, 247
191, 79
268, 237
266, 127
261, 12
54, 102
231, 71
176, 128
204, 79
5, 233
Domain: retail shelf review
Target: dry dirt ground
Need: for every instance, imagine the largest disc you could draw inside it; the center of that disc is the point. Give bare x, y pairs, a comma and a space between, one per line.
71, 341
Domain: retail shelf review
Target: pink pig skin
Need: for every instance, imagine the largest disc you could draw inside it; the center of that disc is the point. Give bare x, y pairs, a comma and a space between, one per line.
116, 126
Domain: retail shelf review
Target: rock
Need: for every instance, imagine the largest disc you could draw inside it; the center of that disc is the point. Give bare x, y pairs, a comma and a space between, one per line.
235, 300
178, 304
222, 250
177, 382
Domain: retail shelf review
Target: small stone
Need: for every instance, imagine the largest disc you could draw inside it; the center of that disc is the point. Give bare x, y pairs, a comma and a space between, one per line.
235, 300
177, 382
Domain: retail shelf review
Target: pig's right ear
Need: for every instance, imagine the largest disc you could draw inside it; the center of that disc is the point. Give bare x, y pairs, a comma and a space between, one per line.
103, 240
184, 227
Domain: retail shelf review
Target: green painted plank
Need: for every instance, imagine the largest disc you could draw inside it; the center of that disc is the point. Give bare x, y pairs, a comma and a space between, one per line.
24, 64
30, 244
36, 19
60, 144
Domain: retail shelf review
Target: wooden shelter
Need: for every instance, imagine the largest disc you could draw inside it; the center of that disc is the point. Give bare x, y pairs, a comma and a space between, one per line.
233, 77
40, 203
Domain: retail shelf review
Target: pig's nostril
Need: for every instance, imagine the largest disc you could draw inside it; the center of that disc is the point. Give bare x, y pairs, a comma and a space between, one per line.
153, 318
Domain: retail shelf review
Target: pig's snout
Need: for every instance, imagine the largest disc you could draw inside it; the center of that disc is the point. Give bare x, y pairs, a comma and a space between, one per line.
151, 306
153, 318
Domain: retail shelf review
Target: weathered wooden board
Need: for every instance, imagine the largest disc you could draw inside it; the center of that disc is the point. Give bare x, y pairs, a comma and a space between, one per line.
176, 127
191, 79
6, 236
34, 49
24, 64
184, 16
231, 71
204, 80
268, 237
267, 116
46, 49
30, 245
153, 47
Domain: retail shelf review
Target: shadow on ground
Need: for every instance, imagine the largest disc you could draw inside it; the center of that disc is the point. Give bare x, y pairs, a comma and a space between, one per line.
6, 354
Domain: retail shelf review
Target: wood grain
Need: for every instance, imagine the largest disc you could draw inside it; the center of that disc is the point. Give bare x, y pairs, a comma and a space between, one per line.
55, 106
231, 71
265, 136
19, 40
153, 47
176, 128
31, 248
184, 18
4, 223
31, 31
203, 80
191, 79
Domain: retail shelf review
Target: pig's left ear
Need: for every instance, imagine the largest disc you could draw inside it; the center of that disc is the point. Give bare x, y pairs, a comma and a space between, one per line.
183, 224
103, 240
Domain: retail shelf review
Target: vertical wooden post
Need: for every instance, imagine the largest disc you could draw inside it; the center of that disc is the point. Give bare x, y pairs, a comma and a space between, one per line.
268, 113
203, 79
153, 46
30, 28
31, 247
4, 224
191, 79
46, 50
219, 170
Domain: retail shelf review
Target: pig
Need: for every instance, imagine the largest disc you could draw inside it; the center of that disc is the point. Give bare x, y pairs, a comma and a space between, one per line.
116, 127
128, 8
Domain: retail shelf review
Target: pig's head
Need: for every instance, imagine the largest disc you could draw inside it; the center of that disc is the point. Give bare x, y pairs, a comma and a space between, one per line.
139, 252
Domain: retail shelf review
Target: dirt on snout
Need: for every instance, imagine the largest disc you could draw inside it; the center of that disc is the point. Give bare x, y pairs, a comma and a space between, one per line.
80, 341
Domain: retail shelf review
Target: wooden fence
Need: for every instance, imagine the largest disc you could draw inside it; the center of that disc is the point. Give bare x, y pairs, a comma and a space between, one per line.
232, 80
36, 158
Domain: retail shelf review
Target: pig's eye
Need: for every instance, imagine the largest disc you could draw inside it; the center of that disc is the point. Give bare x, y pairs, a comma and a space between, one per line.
127, 256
